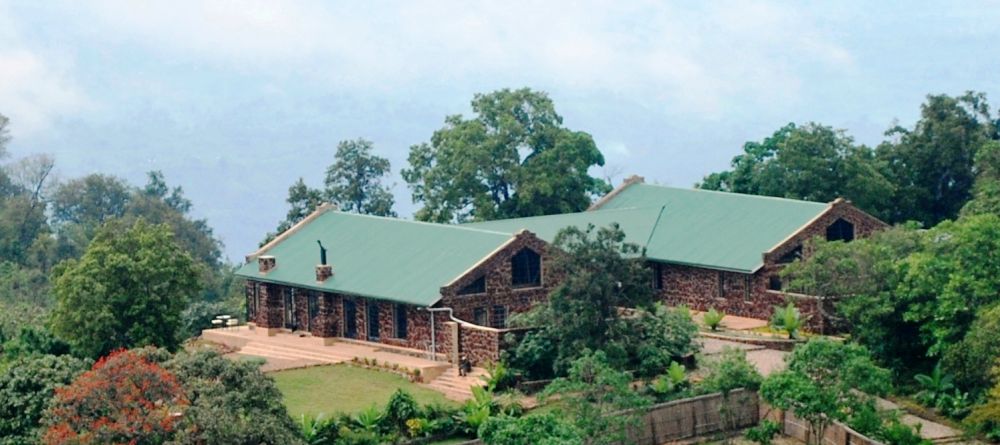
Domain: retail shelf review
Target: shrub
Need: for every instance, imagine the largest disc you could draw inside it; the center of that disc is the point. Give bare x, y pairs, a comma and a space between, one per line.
787, 319
662, 335
934, 386
541, 429
123, 399
398, 411
764, 432
26, 388
713, 319
728, 371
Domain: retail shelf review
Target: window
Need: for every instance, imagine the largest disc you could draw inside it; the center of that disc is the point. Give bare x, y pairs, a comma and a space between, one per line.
657, 276
477, 286
372, 311
840, 230
252, 301
400, 321
525, 269
791, 255
722, 284
747, 282
774, 283
479, 316
313, 309
499, 317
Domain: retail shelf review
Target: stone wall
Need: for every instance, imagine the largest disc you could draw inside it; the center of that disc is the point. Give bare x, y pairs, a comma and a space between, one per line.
748, 295
480, 345
499, 291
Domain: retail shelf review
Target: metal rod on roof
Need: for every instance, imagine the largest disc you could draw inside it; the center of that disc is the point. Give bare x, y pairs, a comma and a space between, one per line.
322, 253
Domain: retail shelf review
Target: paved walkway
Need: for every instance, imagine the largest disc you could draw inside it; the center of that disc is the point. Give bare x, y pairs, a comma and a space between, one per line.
287, 351
766, 360
733, 322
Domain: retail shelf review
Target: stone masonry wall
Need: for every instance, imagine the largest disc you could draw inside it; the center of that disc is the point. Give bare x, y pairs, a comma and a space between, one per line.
480, 345
499, 291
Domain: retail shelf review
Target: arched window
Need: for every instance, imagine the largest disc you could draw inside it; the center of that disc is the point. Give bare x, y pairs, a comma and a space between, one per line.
840, 230
525, 269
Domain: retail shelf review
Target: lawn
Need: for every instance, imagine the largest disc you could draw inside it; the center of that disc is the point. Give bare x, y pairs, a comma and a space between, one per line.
344, 389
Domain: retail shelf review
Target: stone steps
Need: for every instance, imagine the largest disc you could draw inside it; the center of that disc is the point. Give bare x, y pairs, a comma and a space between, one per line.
456, 387
269, 350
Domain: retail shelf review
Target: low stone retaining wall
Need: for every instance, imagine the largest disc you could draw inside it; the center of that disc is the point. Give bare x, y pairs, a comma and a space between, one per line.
781, 344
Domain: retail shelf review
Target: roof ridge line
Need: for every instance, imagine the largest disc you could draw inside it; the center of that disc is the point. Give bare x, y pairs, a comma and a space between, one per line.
584, 212
722, 192
634, 179
320, 210
424, 223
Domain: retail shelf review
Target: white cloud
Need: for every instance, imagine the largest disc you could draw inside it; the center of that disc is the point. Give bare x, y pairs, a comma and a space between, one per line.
33, 90
693, 58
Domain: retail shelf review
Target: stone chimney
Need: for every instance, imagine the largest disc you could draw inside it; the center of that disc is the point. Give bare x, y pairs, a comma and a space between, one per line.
323, 271
266, 263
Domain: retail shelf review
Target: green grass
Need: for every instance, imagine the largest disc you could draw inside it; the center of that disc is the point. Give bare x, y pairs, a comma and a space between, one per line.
344, 389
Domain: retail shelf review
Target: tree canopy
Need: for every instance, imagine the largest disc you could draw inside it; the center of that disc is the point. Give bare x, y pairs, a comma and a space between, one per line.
354, 180
932, 164
512, 158
128, 289
811, 162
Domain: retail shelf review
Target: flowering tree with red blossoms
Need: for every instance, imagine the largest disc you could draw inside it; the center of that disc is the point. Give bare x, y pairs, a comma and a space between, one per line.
123, 399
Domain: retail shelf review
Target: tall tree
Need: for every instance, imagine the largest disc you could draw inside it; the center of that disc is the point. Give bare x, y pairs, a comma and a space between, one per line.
603, 274
986, 189
127, 290
302, 200
931, 165
80, 206
812, 162
513, 158
354, 180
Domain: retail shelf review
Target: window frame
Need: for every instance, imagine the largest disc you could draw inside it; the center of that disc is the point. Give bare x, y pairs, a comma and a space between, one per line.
841, 224
498, 313
465, 290
476, 311
537, 282
400, 309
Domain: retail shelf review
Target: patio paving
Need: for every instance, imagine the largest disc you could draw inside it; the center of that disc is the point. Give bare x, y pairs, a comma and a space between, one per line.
286, 350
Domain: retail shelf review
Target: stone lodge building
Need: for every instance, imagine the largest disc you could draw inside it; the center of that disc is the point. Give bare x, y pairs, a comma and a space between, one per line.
449, 289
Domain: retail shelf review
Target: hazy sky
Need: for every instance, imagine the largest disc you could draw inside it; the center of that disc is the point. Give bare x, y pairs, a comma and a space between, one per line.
235, 100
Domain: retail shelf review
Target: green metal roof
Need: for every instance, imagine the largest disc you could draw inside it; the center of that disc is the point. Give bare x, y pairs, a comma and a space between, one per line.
719, 230
384, 258
637, 223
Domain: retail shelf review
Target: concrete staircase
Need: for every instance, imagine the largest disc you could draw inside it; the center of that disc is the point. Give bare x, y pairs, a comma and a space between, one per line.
456, 387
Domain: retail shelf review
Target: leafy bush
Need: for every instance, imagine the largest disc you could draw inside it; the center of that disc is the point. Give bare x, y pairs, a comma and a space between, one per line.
499, 376
787, 319
713, 319
764, 432
934, 386
824, 381
230, 401
541, 429
659, 336
123, 399
728, 371
401, 407
26, 388
672, 382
